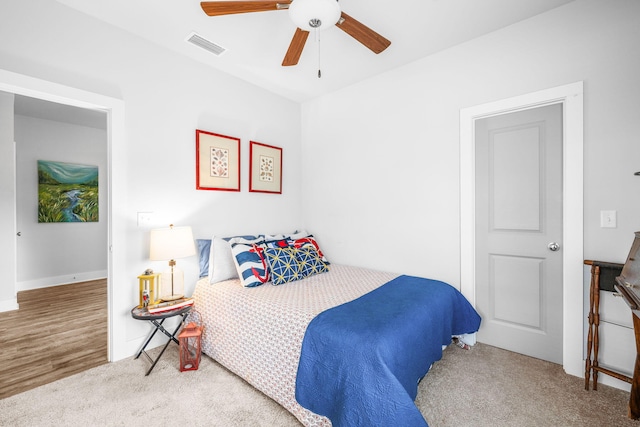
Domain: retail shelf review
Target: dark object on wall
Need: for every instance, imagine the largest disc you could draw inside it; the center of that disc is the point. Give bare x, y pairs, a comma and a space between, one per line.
608, 273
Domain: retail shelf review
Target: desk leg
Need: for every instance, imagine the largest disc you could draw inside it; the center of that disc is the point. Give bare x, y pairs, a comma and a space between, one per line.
587, 363
596, 327
634, 399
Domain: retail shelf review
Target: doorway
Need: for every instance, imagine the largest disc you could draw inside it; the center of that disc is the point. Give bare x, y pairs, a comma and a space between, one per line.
116, 273
571, 98
518, 211
46, 132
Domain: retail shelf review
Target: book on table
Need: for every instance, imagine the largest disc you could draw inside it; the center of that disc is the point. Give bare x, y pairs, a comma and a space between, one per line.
170, 305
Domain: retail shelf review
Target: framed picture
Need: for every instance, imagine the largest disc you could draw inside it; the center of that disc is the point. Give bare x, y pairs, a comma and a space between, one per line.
67, 192
265, 168
217, 162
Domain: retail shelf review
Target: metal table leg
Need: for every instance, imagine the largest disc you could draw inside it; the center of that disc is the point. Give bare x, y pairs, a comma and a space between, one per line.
170, 335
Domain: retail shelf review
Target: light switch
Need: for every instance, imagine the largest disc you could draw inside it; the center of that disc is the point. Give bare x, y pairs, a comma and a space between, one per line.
608, 219
144, 219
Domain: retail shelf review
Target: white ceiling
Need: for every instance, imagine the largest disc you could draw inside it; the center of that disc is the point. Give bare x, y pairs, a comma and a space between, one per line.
46, 110
257, 42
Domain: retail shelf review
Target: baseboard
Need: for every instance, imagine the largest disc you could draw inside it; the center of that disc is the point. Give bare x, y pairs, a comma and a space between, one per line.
9, 304
46, 282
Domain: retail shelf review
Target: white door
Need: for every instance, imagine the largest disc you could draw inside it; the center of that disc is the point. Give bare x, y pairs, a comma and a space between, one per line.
519, 231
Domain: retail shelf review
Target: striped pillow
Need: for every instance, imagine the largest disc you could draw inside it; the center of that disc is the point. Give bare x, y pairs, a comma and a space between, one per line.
250, 261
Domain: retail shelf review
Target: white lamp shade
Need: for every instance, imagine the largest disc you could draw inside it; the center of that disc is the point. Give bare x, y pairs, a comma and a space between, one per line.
303, 11
171, 243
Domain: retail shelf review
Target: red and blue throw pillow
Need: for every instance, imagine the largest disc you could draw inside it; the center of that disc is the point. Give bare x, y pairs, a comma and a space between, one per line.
279, 260
250, 261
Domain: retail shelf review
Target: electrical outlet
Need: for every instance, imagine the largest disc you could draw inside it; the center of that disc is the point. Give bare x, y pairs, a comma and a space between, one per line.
144, 219
608, 219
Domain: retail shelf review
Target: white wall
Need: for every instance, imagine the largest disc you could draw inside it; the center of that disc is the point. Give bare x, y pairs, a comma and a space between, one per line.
381, 158
58, 253
166, 98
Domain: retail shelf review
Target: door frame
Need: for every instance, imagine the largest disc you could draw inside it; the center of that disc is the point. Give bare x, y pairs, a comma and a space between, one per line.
20, 84
571, 96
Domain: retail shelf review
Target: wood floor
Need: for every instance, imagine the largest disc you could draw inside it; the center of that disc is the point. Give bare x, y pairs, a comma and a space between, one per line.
57, 332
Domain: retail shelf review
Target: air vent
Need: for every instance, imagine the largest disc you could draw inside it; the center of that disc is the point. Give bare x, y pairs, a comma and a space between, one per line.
209, 46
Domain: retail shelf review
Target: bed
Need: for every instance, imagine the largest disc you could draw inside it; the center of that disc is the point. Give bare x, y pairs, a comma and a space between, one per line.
262, 333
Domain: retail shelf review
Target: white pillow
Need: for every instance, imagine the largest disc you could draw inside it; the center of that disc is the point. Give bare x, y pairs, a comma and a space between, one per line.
221, 263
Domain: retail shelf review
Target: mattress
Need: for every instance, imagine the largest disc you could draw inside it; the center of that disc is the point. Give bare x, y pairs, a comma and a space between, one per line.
257, 332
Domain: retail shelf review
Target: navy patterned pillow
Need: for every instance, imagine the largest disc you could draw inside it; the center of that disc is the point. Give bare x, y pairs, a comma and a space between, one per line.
310, 261
283, 264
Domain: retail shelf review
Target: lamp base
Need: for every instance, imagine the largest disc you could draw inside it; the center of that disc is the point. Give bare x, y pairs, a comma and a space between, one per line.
171, 297
172, 284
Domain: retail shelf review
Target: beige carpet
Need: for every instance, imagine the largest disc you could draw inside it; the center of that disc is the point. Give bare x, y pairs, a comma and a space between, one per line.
484, 386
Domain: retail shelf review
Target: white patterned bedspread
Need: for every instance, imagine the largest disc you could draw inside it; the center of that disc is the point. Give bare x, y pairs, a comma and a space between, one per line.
257, 332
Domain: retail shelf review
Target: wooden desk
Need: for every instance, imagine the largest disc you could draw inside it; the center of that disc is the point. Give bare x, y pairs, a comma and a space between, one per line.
628, 284
634, 399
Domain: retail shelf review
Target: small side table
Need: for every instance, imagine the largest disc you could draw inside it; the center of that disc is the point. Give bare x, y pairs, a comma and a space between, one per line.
157, 319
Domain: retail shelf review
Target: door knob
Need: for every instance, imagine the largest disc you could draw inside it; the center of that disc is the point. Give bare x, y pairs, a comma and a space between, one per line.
553, 246
19, 233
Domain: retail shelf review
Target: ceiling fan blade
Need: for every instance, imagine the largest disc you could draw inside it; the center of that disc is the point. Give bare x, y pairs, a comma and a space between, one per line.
295, 48
362, 33
218, 8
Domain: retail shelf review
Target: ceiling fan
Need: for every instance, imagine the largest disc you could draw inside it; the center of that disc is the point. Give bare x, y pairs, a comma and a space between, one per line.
308, 15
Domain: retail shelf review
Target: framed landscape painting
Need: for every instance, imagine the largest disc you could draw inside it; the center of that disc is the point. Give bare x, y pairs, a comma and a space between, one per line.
67, 192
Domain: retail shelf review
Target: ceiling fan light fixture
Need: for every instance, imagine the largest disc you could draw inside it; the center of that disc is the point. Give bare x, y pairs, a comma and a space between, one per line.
314, 14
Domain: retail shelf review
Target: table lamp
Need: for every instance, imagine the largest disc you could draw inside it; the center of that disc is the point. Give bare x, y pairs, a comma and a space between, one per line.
169, 244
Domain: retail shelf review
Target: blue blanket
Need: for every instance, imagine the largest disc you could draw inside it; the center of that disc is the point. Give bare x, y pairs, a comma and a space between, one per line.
361, 362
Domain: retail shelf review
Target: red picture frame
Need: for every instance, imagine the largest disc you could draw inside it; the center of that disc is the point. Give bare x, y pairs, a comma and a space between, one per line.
265, 168
217, 162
